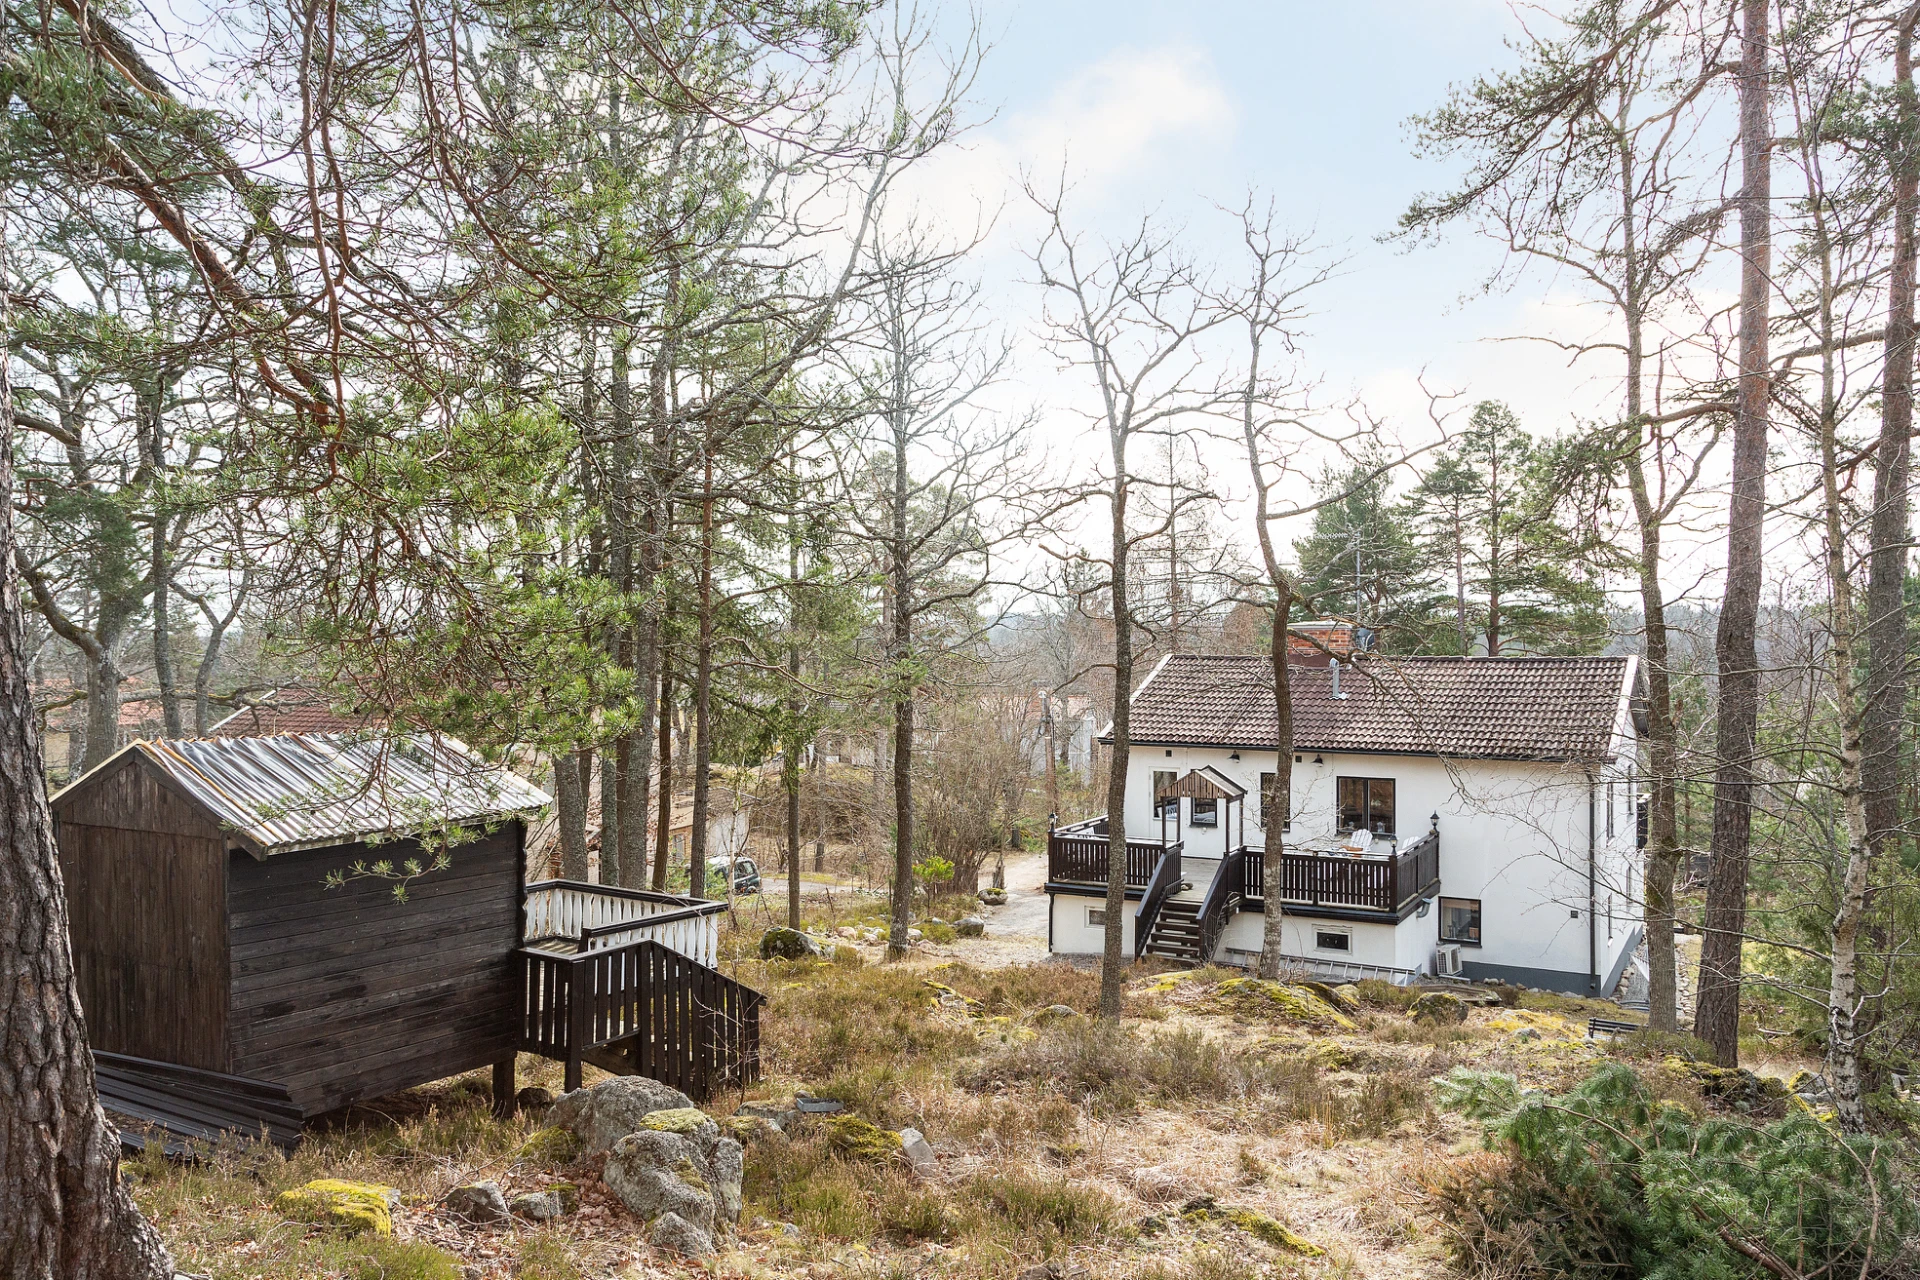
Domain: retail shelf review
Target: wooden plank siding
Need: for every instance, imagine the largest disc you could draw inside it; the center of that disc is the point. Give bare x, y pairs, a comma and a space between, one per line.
145, 877
346, 994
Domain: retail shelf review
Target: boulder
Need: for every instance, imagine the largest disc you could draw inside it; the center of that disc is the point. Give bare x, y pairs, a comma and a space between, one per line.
675, 1234
970, 927
727, 1161
552, 1145
537, 1206
1258, 997
1347, 997
1438, 1008
993, 897
918, 1153
782, 943
862, 1139
610, 1110
480, 1203
1055, 1012
655, 1173
357, 1206
534, 1098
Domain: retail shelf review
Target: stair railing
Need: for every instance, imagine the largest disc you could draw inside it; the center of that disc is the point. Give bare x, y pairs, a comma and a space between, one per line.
1222, 900
1163, 884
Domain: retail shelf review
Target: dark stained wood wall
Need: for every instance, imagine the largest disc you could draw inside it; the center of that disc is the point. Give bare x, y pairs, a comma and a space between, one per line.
145, 877
345, 994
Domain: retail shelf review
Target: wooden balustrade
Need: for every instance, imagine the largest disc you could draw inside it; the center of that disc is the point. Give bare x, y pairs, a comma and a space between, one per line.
595, 917
663, 1014
1077, 856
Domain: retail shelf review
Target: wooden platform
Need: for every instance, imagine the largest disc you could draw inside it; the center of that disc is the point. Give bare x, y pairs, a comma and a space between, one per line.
180, 1106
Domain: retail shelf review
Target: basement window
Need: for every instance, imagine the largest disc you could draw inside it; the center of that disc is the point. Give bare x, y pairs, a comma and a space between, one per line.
1333, 940
1460, 920
1096, 917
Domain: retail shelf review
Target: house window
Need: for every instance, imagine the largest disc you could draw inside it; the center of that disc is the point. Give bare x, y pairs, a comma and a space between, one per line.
1163, 778
1609, 810
1366, 804
1270, 802
1333, 940
1460, 920
1096, 917
1206, 813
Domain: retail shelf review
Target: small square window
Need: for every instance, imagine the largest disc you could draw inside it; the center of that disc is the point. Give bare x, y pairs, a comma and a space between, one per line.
1206, 813
1096, 917
1332, 940
1460, 920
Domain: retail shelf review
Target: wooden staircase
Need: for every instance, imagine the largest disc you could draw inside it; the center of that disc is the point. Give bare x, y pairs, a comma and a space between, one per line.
1176, 932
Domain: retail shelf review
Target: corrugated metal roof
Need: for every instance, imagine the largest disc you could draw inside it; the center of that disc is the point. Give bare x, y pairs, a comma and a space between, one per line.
303, 791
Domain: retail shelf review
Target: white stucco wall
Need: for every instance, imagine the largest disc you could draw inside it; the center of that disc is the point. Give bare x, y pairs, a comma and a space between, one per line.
1073, 936
1514, 835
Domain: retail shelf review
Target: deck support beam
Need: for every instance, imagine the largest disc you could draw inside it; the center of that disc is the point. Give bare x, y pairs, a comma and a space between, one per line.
505, 1098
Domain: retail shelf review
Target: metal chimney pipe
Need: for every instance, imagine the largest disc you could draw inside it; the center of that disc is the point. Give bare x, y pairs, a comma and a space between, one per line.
1335, 666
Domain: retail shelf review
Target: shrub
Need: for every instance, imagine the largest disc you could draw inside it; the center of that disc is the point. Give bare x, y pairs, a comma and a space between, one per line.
1376, 993
1609, 1180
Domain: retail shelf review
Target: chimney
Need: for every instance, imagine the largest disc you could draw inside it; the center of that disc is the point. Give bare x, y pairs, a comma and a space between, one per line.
1314, 643
1335, 665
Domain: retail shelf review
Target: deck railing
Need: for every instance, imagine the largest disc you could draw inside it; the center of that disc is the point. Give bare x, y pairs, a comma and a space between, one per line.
1161, 885
1371, 884
1222, 899
595, 917
1078, 854
674, 1019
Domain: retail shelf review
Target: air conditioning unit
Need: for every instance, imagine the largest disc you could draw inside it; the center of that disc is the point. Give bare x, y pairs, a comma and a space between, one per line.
1446, 960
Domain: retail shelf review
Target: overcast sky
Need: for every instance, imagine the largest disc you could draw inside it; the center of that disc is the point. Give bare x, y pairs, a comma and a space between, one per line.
1164, 107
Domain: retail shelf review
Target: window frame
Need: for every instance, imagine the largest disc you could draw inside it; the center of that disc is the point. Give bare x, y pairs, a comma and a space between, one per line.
1345, 936
1268, 782
1479, 922
1197, 817
1101, 923
1155, 805
1369, 822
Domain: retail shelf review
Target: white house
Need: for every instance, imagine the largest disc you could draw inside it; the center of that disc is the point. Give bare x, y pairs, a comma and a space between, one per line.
1453, 815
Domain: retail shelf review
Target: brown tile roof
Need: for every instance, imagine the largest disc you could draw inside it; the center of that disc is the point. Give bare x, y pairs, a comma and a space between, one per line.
1488, 708
290, 711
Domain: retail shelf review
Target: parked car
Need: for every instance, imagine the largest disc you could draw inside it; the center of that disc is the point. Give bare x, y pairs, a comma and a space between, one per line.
746, 876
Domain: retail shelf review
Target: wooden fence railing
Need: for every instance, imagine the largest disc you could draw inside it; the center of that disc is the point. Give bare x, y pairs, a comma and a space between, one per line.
595, 917
1373, 884
1078, 854
670, 1017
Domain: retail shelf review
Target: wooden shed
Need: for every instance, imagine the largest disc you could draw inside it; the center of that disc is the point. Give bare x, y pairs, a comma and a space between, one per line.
205, 935
230, 984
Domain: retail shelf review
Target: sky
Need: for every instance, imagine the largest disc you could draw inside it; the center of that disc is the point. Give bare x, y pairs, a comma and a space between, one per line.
1165, 109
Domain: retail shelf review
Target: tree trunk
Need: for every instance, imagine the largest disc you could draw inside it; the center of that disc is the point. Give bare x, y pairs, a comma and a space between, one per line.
901, 655
1717, 1015
570, 802
1275, 807
790, 766
1886, 622
162, 570
103, 705
1113, 960
703, 692
66, 1214
663, 821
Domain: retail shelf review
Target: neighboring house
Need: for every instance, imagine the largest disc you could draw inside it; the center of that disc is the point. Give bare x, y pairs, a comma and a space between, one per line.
1471, 815
729, 818
1074, 731
291, 710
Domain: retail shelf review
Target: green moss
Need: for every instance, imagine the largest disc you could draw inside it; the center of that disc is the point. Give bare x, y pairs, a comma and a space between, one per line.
862, 1139
1270, 1231
1257, 997
550, 1146
689, 1174
567, 1193
358, 1206
681, 1120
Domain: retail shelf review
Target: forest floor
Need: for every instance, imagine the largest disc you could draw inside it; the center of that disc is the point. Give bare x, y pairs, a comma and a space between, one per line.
1063, 1147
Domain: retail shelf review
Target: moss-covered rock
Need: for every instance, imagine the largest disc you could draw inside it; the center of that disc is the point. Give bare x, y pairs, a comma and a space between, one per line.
1259, 998
552, 1145
357, 1206
1438, 1009
1735, 1086
684, 1120
862, 1139
782, 943
1261, 1227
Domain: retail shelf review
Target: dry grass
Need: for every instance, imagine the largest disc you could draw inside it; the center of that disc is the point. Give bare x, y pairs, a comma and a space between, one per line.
1058, 1138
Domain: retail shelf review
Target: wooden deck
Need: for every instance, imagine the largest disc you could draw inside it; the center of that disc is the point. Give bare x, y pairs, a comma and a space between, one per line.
1077, 854
573, 918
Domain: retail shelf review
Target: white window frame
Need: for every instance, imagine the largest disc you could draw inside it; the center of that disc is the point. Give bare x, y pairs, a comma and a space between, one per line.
1319, 933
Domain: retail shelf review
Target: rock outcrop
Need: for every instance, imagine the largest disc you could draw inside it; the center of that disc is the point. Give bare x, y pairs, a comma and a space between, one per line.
612, 1109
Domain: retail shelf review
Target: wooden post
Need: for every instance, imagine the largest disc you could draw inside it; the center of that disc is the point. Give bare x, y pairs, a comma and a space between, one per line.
579, 1002
504, 1102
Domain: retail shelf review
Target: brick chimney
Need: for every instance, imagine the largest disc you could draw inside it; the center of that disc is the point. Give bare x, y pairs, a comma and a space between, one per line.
1312, 644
